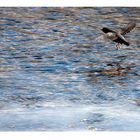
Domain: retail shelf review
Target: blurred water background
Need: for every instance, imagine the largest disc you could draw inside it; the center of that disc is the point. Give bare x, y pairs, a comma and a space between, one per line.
59, 73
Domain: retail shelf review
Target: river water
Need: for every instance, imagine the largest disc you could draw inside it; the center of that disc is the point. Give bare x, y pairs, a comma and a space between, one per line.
58, 72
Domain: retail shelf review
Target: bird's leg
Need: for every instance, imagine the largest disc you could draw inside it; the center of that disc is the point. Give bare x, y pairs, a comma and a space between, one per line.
118, 46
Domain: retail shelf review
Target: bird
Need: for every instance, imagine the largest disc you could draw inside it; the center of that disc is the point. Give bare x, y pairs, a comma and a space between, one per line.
118, 36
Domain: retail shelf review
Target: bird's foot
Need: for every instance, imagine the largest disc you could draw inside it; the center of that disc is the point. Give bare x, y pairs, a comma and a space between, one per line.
118, 46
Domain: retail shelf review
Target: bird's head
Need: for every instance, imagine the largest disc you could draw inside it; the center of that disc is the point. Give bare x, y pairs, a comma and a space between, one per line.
105, 30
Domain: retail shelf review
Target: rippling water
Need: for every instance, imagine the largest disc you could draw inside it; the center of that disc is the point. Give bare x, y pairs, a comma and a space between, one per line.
59, 73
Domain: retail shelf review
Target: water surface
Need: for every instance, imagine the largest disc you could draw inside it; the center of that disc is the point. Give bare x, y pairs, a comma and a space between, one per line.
59, 73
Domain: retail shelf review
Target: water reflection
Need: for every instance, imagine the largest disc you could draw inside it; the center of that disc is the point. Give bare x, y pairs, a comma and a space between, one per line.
57, 71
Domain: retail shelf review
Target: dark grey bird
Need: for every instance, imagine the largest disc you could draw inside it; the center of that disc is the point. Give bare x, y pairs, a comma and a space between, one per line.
118, 36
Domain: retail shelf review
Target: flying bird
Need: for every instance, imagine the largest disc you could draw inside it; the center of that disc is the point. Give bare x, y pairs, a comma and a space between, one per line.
118, 36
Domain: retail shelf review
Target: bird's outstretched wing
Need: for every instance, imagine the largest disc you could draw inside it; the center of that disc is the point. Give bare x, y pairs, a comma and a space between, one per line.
128, 28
